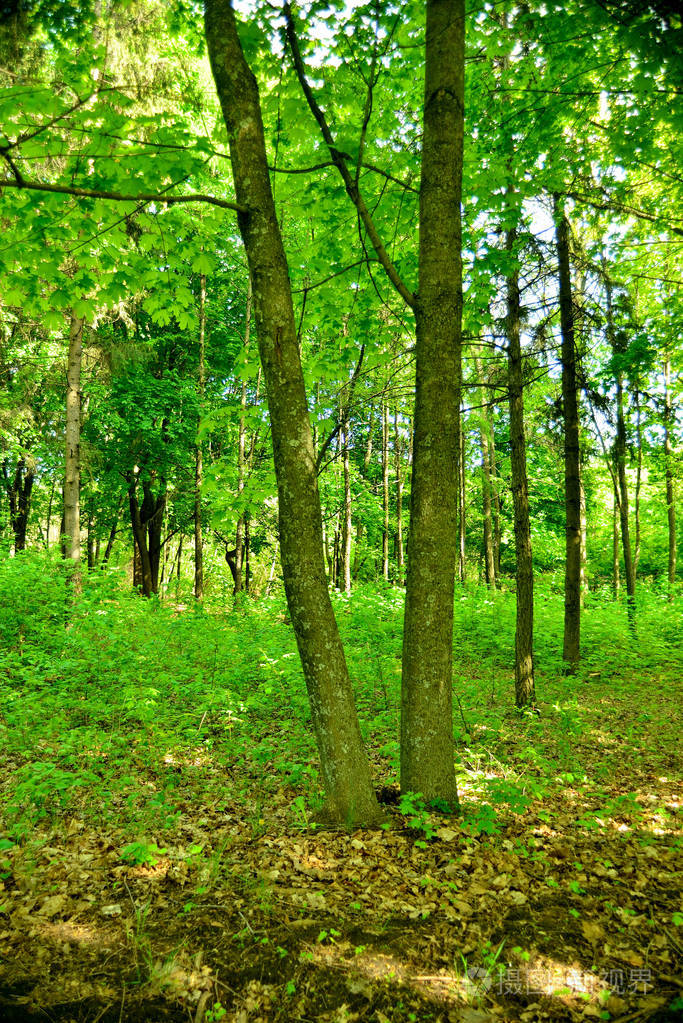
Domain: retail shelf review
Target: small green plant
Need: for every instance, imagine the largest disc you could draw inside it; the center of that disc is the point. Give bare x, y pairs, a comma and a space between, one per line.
215, 1013
142, 854
414, 809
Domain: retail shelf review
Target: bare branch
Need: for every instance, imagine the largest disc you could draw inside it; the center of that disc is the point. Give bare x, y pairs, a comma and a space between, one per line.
144, 197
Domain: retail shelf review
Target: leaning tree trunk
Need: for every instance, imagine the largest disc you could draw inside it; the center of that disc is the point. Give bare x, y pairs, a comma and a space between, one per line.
571, 651
72, 475
345, 767
525, 690
668, 470
427, 762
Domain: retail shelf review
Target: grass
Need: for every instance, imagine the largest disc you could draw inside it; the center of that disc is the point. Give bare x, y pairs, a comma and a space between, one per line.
159, 779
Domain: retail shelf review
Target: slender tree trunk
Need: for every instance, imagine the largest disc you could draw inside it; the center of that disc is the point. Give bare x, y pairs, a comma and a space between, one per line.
90, 541
247, 554
344, 763
525, 690
484, 429
495, 498
142, 570
571, 651
427, 761
49, 514
112, 533
19, 494
620, 458
241, 461
399, 501
639, 477
198, 466
72, 476
668, 470
584, 542
385, 491
462, 521
616, 580
347, 525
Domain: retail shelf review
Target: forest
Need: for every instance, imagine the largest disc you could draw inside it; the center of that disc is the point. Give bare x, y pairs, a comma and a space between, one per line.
341, 612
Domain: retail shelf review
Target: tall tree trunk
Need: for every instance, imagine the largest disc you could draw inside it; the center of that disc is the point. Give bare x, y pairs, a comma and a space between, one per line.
241, 460
399, 501
344, 763
525, 689
484, 429
620, 458
639, 477
616, 580
462, 522
385, 491
198, 465
495, 498
668, 470
347, 525
571, 650
427, 762
72, 476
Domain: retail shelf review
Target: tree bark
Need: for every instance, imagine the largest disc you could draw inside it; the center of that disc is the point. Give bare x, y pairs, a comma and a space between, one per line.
344, 763
571, 650
72, 475
385, 491
399, 501
198, 467
525, 689
241, 460
19, 491
427, 762
484, 428
620, 458
668, 470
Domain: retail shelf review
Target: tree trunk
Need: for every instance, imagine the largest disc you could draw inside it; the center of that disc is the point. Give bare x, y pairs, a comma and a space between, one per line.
668, 470
241, 461
112, 533
399, 501
620, 458
525, 690
495, 497
639, 477
484, 428
385, 491
344, 763
571, 650
345, 567
584, 542
427, 762
462, 521
90, 541
616, 580
72, 476
198, 466
19, 497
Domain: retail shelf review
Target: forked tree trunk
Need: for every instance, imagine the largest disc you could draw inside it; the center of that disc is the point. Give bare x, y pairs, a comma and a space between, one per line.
668, 470
72, 476
525, 689
571, 650
427, 761
344, 763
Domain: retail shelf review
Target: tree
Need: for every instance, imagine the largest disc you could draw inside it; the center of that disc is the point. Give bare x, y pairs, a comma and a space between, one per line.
344, 763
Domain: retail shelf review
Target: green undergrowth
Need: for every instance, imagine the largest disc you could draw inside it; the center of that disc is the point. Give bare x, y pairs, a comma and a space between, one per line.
136, 713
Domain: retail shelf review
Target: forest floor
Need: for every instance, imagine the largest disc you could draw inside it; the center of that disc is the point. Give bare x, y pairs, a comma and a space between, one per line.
158, 786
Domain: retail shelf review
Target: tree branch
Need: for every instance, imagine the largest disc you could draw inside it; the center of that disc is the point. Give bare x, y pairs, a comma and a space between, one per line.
338, 160
144, 197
